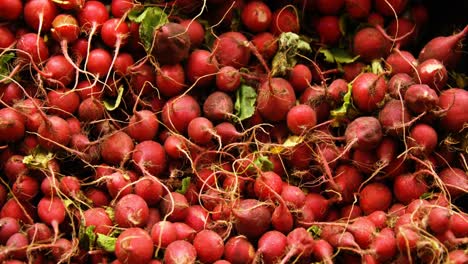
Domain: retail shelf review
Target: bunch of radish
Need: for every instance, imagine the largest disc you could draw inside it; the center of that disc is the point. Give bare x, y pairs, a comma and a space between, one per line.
231, 131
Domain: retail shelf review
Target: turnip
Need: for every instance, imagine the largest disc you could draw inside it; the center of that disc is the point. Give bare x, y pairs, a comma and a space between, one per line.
252, 218
171, 43
368, 90
131, 211
364, 133
275, 98
453, 101
209, 246
134, 245
238, 250
180, 251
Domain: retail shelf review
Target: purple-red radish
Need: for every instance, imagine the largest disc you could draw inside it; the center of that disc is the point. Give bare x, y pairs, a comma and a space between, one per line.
454, 101
170, 80
175, 206
433, 73
394, 117
375, 196
179, 111
368, 90
422, 139
285, 20
358, 9
117, 148
252, 218
143, 125
238, 250
218, 106
455, 181
180, 251
100, 219
228, 79
131, 211
408, 187
12, 125
195, 31
275, 98
420, 98
209, 246
171, 43
364, 133
134, 245
256, 16
271, 247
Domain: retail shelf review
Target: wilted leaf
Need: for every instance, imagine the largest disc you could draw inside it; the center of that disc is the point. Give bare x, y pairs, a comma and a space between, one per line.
184, 187
289, 45
245, 102
111, 106
106, 242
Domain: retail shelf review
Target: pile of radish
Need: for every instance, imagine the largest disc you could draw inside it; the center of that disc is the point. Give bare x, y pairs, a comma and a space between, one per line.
231, 131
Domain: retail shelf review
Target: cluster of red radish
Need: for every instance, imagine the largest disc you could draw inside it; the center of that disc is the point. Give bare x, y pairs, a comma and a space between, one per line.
222, 131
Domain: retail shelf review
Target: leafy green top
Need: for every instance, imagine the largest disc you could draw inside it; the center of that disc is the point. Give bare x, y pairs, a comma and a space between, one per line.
150, 19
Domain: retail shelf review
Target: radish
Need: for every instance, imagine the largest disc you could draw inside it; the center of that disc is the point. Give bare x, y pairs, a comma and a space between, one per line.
301, 119
384, 244
403, 30
358, 9
394, 117
98, 62
32, 47
25, 188
54, 133
268, 186
7, 37
10, 93
401, 62
114, 33
422, 138
328, 7
179, 111
239, 250
174, 206
195, 31
282, 219
228, 79
231, 49
131, 211
11, 10
62, 250
8, 227
256, 16
209, 246
398, 84
370, 44
134, 245
17, 244
90, 110
12, 125
285, 20
92, 16
180, 251
150, 189
184, 231
328, 28
444, 49
39, 232
300, 77
275, 98
119, 8
63, 102
363, 230
350, 212
227, 132
439, 219
457, 256
52, 211
143, 79
163, 233
39, 14
170, 80
299, 243
323, 251
116, 148
459, 225
123, 63
433, 73
368, 90
364, 133
252, 218
375, 196
455, 180
266, 44
271, 247
218, 106
293, 196
197, 218
200, 68
390, 7
407, 187
99, 218
149, 157
171, 43
143, 125
453, 101
420, 98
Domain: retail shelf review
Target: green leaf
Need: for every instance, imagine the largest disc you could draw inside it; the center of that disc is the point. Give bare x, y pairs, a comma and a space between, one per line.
111, 106
86, 236
289, 45
245, 102
106, 242
376, 67
427, 195
38, 159
316, 231
5, 66
150, 19
263, 163
342, 111
343, 22
184, 187
336, 55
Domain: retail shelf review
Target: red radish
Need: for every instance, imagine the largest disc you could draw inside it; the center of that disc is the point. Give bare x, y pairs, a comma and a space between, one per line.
40, 14
376, 19
439, 219
252, 218
17, 244
62, 249
457, 256
370, 44
201, 67
195, 31
300, 243
228, 79
387, 150
180, 251
402, 30
266, 44
25, 187
433, 73
114, 33
11, 125
91, 109
358, 9
300, 77
453, 101
8, 227
143, 125
394, 117
39, 232
54, 133
175, 206
375, 196
282, 219
239, 250
384, 244
149, 189
14, 167
184, 231
99, 61
227, 132
175, 146
364, 133
170, 80
293, 196
268, 185
328, 28
197, 218
118, 184
143, 79
408, 187
368, 90
134, 245
116, 148
275, 98
97, 197
100, 219
352, 70
444, 49
401, 62
179, 111
171, 43
88, 89
163, 233
271, 246
459, 225
301, 119
10, 93
32, 47
65, 28
407, 239
18, 210
63, 102
363, 230
328, 7
420, 98
455, 180
285, 20
119, 8
342, 239
52, 211
423, 138
390, 7
92, 16
323, 251
218, 106
200, 130
256, 16
149, 157
209, 246
123, 63
131, 211
11, 9
231, 49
